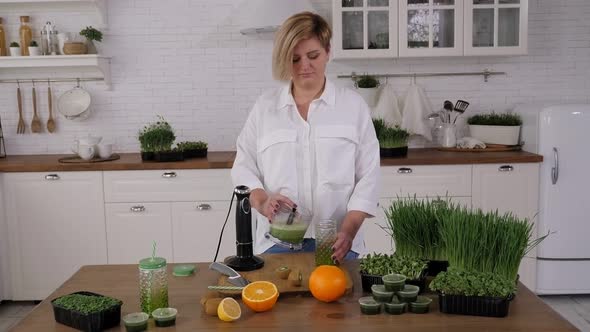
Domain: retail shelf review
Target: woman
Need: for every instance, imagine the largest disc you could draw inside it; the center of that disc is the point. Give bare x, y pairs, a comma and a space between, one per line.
309, 142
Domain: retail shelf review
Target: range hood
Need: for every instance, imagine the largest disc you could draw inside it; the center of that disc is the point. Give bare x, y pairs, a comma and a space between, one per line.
263, 16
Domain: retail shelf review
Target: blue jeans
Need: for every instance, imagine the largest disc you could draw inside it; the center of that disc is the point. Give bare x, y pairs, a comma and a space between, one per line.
308, 246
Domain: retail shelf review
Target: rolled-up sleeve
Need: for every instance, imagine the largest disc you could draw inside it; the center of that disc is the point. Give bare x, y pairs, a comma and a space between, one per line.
367, 168
245, 169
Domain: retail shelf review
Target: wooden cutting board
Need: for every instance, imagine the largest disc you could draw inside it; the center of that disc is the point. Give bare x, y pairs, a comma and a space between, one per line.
304, 262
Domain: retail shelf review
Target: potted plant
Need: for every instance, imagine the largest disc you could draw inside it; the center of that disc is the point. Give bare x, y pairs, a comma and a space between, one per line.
155, 138
393, 142
374, 266
484, 250
91, 35
367, 87
14, 49
87, 311
33, 48
196, 149
495, 128
473, 293
414, 226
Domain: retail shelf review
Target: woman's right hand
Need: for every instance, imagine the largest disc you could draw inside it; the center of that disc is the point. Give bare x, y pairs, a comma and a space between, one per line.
269, 204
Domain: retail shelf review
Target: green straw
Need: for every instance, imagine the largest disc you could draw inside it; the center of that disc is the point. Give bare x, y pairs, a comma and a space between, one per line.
154, 251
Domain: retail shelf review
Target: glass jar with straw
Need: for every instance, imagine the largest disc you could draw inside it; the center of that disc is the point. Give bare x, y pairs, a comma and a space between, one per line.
153, 283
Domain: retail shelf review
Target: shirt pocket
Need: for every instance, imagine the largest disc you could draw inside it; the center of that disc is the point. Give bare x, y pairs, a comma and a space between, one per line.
335, 156
277, 153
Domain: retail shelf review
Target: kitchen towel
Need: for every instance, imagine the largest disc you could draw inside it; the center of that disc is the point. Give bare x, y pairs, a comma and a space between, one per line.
415, 111
387, 107
470, 143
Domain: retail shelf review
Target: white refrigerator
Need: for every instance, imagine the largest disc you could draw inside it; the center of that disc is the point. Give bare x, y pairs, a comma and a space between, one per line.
561, 135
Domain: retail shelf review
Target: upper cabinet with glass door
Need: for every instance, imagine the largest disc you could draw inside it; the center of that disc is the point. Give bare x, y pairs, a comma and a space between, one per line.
430, 28
364, 28
496, 27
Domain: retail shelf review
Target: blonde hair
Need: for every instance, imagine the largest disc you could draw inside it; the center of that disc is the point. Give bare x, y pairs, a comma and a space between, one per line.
296, 28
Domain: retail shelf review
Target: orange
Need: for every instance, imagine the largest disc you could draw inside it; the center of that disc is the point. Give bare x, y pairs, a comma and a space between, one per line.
229, 310
327, 283
260, 295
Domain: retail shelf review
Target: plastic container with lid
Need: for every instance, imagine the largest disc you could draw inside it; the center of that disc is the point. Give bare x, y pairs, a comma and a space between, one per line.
153, 284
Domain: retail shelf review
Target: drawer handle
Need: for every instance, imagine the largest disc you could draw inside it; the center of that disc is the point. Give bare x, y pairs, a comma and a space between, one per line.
169, 175
203, 207
404, 170
505, 168
137, 208
51, 177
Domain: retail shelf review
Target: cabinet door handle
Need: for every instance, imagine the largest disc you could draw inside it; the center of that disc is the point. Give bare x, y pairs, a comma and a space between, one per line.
51, 177
506, 168
137, 208
203, 207
555, 168
169, 175
404, 170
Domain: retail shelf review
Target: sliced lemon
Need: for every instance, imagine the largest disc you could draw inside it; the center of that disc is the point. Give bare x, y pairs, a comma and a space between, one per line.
229, 310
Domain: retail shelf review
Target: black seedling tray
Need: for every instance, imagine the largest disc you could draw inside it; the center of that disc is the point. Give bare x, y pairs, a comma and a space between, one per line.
88, 322
474, 305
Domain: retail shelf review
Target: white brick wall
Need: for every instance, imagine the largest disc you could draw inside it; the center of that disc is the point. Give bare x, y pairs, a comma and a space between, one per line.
186, 60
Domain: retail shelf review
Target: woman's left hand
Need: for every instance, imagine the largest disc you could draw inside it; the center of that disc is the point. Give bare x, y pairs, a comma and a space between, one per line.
341, 246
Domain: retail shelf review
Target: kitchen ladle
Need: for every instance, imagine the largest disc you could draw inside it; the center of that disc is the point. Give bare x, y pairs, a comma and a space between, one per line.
50, 121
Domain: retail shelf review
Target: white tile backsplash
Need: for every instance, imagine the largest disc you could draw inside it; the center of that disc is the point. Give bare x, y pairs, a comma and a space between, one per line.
187, 61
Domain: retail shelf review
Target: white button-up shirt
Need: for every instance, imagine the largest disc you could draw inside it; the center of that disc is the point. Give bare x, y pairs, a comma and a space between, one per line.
328, 164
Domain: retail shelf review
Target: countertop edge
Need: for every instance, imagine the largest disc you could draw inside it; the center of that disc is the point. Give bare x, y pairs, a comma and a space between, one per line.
224, 160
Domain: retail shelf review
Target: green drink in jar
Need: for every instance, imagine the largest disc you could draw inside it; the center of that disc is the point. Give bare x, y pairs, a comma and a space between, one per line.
325, 237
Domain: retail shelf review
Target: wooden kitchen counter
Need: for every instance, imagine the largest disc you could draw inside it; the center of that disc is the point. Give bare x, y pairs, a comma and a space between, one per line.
224, 159
527, 312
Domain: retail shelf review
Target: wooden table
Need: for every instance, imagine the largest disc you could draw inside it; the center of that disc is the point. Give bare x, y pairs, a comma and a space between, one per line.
527, 311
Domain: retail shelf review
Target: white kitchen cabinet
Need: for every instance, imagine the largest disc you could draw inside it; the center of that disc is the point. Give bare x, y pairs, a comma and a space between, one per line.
196, 227
183, 210
430, 28
426, 181
510, 188
55, 225
133, 227
365, 28
496, 27
4, 275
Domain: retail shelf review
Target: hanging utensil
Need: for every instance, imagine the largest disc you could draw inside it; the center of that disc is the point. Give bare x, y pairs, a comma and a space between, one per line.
50, 121
20, 128
36, 123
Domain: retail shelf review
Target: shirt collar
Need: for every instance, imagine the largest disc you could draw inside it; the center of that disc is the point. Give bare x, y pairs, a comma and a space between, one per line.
328, 96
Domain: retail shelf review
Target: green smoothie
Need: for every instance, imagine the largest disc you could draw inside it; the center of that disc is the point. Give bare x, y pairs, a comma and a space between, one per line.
293, 233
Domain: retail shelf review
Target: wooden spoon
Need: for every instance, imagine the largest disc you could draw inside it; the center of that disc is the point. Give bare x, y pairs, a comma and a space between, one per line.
50, 122
36, 123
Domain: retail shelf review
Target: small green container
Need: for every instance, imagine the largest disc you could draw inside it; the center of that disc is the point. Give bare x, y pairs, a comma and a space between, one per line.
395, 308
380, 294
369, 306
394, 282
408, 294
421, 305
136, 322
164, 316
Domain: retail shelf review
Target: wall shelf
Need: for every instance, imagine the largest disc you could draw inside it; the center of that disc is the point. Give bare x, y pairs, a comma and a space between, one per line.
98, 5
73, 66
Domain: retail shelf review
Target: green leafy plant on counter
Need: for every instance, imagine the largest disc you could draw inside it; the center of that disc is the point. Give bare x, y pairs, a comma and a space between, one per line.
188, 145
33, 44
91, 34
393, 137
495, 119
14, 44
157, 136
379, 124
366, 81
382, 264
414, 226
471, 283
486, 242
86, 304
